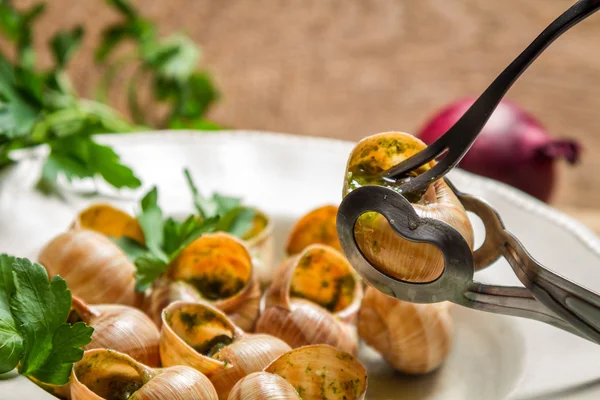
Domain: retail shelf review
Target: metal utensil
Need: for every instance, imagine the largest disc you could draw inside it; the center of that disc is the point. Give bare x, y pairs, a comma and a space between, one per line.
546, 297
459, 138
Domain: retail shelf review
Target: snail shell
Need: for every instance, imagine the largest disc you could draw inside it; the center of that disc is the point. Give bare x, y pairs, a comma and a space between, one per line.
412, 338
263, 385
109, 221
94, 267
120, 328
216, 268
108, 374
392, 254
313, 299
164, 292
309, 373
260, 244
202, 337
318, 226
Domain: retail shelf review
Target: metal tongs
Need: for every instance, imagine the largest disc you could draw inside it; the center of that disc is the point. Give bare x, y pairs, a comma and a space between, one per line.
546, 297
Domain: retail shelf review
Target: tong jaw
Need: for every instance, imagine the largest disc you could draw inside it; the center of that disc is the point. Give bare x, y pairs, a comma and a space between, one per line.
399, 212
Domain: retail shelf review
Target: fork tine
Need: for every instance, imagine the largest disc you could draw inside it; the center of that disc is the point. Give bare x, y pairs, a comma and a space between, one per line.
416, 161
438, 170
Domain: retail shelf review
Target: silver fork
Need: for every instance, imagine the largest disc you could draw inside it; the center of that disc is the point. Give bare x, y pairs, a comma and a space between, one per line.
546, 297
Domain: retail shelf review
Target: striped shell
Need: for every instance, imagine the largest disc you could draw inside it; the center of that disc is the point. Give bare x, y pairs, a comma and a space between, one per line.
121, 328
202, 337
314, 372
109, 221
94, 267
260, 244
412, 338
107, 374
313, 299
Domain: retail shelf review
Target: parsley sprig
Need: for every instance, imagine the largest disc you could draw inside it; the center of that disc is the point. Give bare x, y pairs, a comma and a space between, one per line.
33, 329
165, 239
234, 218
40, 107
171, 64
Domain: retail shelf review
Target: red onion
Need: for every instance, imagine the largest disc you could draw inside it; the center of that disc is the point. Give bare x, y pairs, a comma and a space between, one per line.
513, 147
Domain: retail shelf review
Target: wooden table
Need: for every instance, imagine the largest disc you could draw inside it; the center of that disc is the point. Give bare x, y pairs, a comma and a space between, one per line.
348, 69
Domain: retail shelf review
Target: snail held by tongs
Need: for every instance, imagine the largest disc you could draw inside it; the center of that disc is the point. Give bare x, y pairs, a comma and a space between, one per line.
387, 193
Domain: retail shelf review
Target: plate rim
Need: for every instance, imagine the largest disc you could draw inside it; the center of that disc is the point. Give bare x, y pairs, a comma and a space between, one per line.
561, 220
509, 193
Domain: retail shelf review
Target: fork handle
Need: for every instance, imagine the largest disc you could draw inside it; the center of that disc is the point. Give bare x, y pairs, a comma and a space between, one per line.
573, 303
461, 136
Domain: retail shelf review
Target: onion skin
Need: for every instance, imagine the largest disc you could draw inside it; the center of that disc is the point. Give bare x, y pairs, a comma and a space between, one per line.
513, 147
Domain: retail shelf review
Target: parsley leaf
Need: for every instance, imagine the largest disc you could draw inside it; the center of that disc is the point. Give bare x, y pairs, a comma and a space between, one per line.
11, 343
130, 247
238, 221
51, 346
148, 269
175, 232
18, 114
41, 107
64, 44
17, 26
206, 207
171, 63
205, 226
66, 350
178, 235
80, 157
233, 217
150, 220
225, 203
164, 239
106, 162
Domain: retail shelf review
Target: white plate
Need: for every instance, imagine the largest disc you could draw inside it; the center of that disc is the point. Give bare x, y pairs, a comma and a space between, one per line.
494, 357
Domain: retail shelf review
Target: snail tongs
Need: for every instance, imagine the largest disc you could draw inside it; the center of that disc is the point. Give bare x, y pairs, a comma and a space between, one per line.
546, 296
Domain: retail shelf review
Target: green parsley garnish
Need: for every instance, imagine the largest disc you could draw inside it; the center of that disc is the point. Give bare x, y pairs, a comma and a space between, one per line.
33, 315
234, 218
165, 239
169, 63
40, 107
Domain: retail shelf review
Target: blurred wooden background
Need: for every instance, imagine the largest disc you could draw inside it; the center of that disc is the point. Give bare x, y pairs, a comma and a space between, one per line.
347, 69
